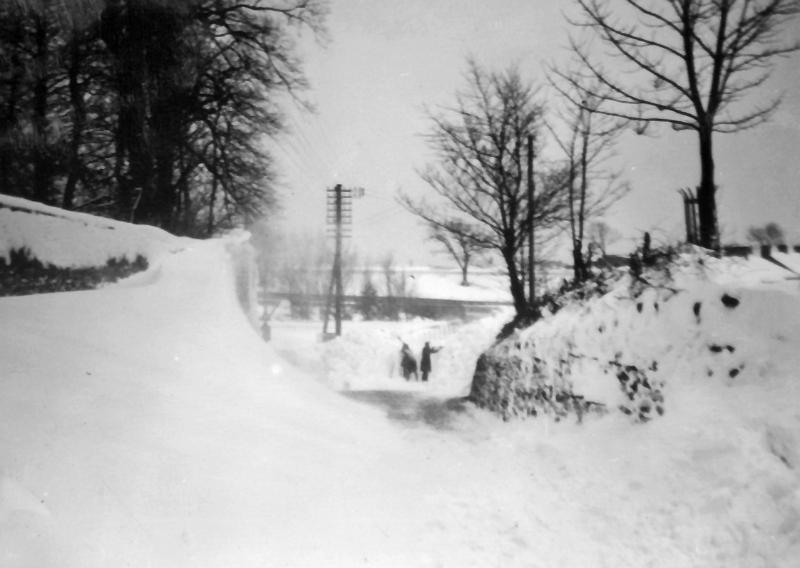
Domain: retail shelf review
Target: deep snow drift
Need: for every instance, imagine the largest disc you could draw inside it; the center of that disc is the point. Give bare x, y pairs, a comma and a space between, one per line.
147, 424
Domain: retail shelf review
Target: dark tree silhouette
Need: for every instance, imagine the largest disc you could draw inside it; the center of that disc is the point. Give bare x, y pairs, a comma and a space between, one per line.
152, 111
769, 234
687, 63
601, 235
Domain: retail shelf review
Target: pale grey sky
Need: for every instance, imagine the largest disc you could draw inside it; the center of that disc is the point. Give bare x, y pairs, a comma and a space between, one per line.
386, 60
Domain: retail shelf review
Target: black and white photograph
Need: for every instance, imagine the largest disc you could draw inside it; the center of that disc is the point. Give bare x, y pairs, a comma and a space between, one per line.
400, 283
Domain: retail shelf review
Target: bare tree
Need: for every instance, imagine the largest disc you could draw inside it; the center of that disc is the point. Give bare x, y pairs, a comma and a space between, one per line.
690, 64
461, 240
479, 174
397, 288
297, 264
769, 234
587, 138
600, 235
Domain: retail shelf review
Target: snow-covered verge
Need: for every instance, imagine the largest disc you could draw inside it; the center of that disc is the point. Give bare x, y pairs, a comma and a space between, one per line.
64, 251
67, 239
45, 249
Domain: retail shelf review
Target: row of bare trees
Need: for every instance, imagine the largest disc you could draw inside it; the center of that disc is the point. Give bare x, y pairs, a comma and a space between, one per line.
299, 264
150, 111
490, 150
690, 64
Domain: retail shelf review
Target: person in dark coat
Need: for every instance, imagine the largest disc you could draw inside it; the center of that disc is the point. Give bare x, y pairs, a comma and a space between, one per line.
408, 363
425, 362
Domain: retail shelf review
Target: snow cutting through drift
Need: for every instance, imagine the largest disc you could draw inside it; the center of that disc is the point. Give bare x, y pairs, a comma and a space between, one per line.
146, 424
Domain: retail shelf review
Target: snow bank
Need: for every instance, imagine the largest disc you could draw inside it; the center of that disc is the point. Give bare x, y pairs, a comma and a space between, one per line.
149, 424
717, 340
694, 324
67, 239
367, 356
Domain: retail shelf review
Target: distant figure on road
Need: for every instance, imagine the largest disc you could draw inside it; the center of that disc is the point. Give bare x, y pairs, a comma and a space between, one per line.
408, 363
426, 360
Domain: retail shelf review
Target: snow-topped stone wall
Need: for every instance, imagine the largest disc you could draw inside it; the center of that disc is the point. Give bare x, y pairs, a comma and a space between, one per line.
686, 322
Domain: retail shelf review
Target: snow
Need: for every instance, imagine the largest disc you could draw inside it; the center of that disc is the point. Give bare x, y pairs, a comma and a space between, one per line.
719, 469
790, 260
367, 356
68, 239
147, 424
485, 285
152, 424
753, 272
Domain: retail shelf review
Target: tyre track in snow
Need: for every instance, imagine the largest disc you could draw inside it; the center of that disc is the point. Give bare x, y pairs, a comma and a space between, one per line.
410, 408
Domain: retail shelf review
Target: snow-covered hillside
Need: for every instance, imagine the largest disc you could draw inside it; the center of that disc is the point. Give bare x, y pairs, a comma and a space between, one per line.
147, 424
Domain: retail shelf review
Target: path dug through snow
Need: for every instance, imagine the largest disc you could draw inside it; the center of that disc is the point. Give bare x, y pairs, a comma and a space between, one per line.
147, 424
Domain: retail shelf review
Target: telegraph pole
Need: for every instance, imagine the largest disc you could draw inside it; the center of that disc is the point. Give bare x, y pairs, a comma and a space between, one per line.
340, 217
531, 239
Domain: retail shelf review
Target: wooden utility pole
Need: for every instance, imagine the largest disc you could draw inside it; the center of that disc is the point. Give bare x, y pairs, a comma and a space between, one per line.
340, 216
337, 261
531, 238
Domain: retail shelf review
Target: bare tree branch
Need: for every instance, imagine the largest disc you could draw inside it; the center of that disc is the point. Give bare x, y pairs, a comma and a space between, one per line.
688, 63
478, 179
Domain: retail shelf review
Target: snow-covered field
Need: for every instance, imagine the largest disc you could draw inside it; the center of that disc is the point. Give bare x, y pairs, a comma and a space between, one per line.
485, 285
147, 424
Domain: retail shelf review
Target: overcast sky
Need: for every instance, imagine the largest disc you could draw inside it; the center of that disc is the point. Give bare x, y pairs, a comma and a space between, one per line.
387, 60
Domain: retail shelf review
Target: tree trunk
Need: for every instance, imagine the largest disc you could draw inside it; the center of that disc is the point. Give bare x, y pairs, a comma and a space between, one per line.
165, 197
78, 122
8, 125
706, 193
579, 264
42, 163
213, 198
515, 283
123, 197
134, 164
185, 203
573, 230
581, 269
